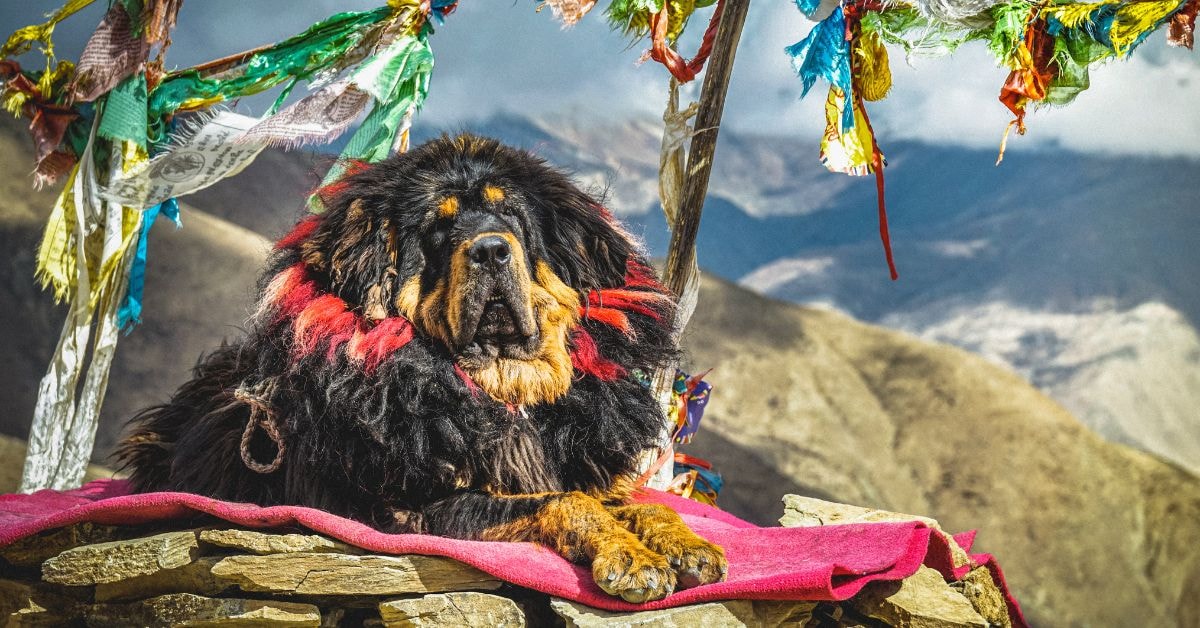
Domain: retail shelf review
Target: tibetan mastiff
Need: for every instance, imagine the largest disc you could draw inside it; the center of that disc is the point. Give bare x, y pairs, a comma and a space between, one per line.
459, 345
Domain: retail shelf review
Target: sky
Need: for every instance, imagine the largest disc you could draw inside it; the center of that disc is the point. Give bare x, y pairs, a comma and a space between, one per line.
501, 56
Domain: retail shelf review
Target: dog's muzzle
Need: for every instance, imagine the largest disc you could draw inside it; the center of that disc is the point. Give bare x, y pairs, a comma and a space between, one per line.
497, 317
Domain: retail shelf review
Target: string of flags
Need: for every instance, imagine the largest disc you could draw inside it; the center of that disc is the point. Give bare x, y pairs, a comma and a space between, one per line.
126, 137
692, 477
1049, 47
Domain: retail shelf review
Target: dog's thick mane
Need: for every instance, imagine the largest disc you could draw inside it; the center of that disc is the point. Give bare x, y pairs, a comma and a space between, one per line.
377, 417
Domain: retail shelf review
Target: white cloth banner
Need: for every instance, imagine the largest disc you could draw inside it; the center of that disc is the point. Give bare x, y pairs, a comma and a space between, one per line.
204, 156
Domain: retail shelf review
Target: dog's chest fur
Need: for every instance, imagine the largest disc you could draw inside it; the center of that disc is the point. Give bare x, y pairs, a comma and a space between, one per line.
517, 462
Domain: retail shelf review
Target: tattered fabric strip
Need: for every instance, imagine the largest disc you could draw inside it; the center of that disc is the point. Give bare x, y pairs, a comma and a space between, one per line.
967, 13
48, 122
64, 424
570, 11
825, 53
123, 116
200, 156
316, 119
845, 149
22, 40
664, 21
398, 79
113, 53
130, 312
1181, 31
300, 56
661, 51
326, 114
855, 65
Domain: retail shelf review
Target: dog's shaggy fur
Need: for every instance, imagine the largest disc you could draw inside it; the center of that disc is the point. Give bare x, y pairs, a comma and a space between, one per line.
457, 346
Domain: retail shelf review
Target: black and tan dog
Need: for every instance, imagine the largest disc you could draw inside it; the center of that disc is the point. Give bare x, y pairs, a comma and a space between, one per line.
457, 346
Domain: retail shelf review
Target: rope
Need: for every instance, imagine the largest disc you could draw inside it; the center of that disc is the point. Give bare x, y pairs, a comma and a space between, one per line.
683, 71
263, 417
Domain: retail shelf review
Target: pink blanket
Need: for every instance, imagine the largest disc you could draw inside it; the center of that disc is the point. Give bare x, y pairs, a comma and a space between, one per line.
817, 563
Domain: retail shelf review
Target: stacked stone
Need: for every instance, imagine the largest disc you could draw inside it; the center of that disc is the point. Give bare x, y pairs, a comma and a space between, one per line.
98, 575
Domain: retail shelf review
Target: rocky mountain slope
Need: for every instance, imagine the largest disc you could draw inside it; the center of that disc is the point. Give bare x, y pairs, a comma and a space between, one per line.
807, 401
814, 402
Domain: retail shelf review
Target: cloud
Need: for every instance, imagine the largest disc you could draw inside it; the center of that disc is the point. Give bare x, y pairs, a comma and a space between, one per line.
503, 57
1145, 104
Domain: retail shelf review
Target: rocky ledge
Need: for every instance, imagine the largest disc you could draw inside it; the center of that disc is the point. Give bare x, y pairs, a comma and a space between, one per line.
97, 575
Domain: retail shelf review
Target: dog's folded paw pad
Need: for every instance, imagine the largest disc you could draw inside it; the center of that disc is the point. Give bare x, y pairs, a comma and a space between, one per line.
633, 573
695, 560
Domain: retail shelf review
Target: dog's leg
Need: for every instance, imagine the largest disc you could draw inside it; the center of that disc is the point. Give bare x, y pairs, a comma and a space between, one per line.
576, 525
695, 560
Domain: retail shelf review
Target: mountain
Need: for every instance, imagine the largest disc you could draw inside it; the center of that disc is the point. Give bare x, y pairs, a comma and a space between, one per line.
813, 402
806, 401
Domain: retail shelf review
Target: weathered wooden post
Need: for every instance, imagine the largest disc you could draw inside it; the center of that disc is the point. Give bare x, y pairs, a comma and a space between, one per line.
681, 273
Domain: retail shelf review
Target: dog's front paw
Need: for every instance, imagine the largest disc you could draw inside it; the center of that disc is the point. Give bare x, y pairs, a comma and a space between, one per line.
660, 529
627, 569
695, 560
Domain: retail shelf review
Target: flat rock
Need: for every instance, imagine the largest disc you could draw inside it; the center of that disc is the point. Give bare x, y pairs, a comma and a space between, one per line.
453, 609
37, 604
195, 577
803, 512
922, 600
120, 560
728, 614
15, 595
308, 573
981, 591
36, 549
39, 618
185, 609
256, 542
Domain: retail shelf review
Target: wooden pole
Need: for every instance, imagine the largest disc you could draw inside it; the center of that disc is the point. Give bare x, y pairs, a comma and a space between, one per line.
682, 250
680, 274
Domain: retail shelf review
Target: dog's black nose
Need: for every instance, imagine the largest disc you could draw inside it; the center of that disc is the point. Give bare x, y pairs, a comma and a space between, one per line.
490, 249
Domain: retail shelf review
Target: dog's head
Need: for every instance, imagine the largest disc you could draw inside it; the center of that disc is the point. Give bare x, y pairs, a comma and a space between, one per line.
485, 249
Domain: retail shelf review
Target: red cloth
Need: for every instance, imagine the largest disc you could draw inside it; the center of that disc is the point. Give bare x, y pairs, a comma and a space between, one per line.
817, 563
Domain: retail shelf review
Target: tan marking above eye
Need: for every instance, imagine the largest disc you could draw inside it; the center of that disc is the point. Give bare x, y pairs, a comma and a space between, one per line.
492, 194
448, 207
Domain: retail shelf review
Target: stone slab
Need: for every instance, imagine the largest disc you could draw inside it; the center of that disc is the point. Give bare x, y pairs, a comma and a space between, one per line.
922, 600
263, 543
185, 609
34, 550
322, 574
120, 560
469, 609
727, 614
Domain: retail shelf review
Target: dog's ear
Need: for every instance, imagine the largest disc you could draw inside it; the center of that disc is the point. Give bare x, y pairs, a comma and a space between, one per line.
355, 250
581, 240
